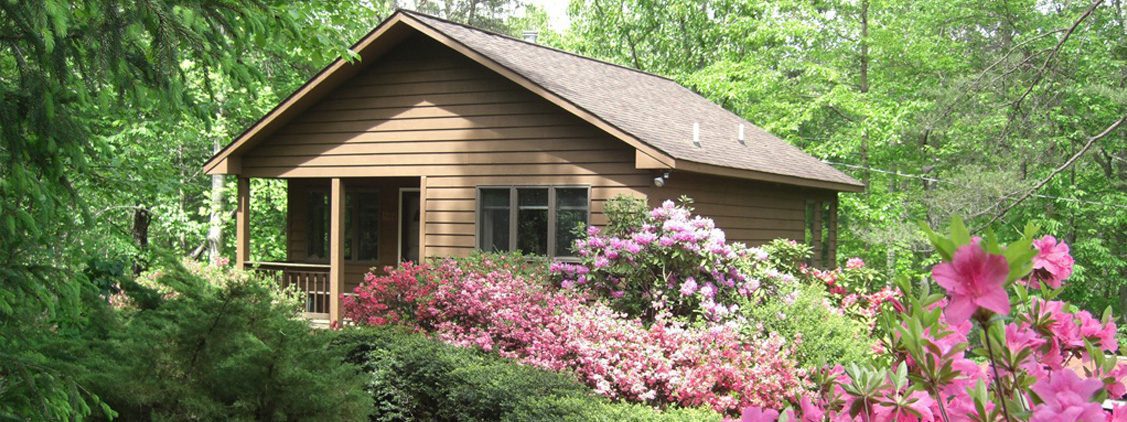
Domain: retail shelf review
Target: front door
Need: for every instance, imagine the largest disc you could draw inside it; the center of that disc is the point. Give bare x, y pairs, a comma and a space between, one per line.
409, 224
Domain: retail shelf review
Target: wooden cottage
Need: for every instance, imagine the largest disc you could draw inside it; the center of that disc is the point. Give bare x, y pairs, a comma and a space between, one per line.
442, 139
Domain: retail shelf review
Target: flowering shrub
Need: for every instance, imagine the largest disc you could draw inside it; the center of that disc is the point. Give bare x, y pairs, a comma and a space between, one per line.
667, 261
665, 362
391, 298
1030, 343
853, 290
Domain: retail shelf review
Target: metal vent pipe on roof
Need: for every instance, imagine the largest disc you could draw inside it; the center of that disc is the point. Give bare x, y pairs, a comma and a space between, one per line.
741, 135
696, 134
530, 36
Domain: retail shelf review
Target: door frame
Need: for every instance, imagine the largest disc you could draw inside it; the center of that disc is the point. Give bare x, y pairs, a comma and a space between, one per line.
399, 226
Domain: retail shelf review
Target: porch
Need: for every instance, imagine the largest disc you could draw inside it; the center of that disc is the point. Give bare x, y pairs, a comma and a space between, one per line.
336, 230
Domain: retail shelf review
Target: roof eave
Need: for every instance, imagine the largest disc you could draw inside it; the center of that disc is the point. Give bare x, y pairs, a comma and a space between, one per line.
697, 167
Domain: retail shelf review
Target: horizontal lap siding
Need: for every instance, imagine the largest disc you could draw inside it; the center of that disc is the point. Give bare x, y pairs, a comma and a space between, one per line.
424, 111
750, 212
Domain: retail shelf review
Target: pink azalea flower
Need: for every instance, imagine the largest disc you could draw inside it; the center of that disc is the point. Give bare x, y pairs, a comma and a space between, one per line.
1023, 337
810, 411
1067, 397
1053, 264
758, 414
1118, 414
973, 279
1092, 328
918, 409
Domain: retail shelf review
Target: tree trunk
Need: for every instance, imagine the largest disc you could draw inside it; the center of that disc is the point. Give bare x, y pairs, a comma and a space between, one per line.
141, 220
215, 220
863, 86
864, 82
1122, 303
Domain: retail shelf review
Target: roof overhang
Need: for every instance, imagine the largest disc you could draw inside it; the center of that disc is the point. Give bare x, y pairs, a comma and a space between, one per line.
716, 170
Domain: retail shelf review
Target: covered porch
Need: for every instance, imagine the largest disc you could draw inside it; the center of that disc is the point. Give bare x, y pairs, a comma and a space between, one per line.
336, 230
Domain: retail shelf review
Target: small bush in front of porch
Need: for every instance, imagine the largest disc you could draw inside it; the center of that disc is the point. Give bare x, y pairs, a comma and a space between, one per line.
216, 345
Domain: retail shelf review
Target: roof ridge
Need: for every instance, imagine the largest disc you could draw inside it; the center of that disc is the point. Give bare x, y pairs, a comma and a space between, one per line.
545, 47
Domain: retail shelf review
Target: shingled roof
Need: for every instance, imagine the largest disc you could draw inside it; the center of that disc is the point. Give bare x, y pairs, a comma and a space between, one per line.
656, 110
647, 108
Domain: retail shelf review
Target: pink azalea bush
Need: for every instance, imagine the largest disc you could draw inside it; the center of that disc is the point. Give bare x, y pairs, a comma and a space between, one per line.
664, 362
389, 299
1032, 358
668, 261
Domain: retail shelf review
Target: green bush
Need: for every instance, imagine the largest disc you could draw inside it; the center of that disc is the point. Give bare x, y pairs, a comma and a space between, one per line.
827, 337
225, 346
529, 267
416, 378
577, 409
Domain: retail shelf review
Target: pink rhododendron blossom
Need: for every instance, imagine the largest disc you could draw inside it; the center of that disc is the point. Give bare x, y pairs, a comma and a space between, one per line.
854, 263
1066, 397
974, 279
689, 286
1052, 264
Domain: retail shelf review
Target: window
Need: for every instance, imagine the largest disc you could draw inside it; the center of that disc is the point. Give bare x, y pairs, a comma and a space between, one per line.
361, 225
533, 220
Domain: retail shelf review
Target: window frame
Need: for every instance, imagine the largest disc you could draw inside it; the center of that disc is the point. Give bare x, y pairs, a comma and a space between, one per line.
514, 210
354, 212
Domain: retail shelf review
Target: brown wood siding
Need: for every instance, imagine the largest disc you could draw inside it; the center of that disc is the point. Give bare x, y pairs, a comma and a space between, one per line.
748, 211
423, 110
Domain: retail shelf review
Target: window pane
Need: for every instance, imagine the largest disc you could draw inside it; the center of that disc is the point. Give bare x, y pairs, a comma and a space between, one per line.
494, 214
317, 225
532, 221
368, 224
571, 211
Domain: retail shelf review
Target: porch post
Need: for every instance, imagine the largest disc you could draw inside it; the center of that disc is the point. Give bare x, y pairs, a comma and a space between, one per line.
422, 219
832, 247
816, 234
242, 223
336, 248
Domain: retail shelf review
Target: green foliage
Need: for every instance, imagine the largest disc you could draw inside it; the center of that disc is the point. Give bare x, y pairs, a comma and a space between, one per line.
787, 255
416, 378
925, 102
529, 267
624, 213
805, 312
229, 349
577, 409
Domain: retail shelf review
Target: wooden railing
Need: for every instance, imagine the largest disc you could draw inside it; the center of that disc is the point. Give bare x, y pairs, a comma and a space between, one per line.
310, 279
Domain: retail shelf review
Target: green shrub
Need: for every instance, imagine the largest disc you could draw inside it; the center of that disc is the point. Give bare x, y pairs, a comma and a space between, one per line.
228, 346
787, 255
827, 336
529, 267
416, 378
582, 409
624, 213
